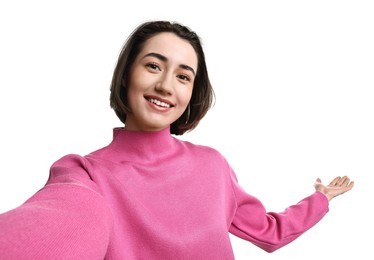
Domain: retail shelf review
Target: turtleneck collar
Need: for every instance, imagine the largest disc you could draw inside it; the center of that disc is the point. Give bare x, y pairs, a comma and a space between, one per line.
141, 146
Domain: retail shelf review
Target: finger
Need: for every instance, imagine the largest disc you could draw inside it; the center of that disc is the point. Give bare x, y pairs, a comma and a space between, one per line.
350, 185
335, 181
317, 183
344, 181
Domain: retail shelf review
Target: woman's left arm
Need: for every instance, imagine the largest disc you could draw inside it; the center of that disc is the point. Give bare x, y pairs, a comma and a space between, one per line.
273, 230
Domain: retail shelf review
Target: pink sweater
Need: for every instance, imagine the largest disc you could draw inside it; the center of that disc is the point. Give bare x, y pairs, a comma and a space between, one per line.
147, 195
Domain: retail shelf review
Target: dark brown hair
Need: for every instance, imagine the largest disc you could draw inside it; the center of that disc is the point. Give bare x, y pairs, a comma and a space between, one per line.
202, 95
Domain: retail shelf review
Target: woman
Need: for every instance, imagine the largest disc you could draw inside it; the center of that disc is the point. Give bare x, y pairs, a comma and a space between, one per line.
147, 194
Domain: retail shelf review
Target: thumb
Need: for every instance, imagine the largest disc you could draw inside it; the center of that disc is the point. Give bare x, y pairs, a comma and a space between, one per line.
317, 183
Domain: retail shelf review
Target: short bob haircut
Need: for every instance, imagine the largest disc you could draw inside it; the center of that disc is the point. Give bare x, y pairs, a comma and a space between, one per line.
202, 97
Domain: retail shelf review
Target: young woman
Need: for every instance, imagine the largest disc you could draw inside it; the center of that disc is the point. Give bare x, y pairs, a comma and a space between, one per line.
148, 194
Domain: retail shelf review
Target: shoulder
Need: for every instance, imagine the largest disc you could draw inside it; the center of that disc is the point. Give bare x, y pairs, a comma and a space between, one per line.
70, 168
203, 152
71, 163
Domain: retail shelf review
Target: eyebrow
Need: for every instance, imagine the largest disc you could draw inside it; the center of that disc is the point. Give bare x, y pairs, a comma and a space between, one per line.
163, 58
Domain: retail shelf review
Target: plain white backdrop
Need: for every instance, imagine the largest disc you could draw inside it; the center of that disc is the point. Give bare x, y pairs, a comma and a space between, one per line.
294, 83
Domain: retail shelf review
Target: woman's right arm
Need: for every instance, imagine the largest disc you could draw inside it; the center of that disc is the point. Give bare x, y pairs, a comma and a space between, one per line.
66, 219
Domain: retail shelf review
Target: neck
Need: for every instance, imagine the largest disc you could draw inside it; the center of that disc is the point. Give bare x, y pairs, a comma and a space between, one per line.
141, 145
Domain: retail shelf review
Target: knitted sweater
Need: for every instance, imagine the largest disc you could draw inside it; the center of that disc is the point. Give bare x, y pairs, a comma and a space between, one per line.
147, 195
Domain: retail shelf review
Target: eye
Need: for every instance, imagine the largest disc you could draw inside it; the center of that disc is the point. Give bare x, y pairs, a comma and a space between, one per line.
153, 66
184, 77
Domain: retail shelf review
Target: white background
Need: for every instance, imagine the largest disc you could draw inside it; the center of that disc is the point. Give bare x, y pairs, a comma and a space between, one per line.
294, 85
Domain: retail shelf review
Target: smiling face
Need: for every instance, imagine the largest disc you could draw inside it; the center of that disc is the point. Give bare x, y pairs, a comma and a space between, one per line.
160, 83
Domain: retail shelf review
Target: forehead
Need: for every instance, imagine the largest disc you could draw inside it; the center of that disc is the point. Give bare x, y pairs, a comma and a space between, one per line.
174, 48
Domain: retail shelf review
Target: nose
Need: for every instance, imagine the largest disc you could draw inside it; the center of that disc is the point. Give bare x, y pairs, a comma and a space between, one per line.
165, 85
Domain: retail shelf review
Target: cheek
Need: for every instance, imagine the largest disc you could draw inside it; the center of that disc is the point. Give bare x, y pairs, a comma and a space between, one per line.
185, 96
132, 94
135, 79
135, 86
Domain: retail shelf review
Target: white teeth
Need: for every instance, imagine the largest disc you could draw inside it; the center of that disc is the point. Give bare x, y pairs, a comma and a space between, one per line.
159, 103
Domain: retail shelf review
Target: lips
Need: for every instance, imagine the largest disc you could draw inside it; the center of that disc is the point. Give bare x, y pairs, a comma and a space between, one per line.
159, 102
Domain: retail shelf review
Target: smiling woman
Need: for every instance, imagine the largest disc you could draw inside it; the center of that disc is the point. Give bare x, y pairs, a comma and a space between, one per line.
148, 194
160, 84
177, 60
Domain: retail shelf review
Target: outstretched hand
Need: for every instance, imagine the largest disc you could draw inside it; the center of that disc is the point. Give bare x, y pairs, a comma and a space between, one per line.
337, 186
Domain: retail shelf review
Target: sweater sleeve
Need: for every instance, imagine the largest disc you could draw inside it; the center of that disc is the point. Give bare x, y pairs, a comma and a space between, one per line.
269, 230
66, 219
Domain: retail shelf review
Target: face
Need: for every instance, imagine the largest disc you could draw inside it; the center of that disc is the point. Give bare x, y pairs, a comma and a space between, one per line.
160, 82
